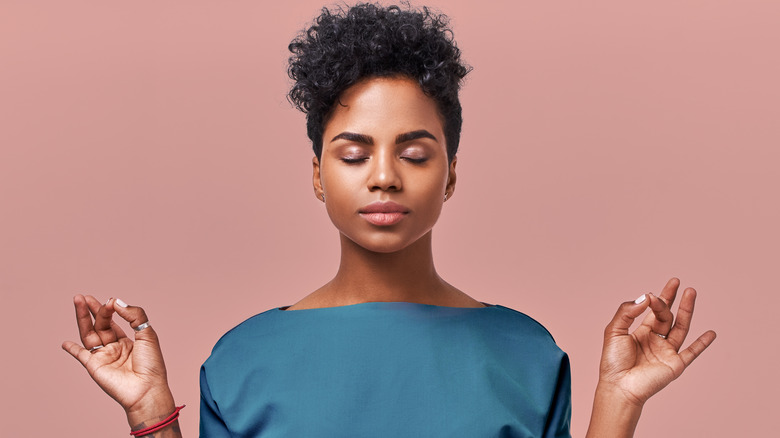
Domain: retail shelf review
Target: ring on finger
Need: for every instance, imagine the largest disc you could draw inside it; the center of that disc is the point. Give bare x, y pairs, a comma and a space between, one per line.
141, 326
95, 348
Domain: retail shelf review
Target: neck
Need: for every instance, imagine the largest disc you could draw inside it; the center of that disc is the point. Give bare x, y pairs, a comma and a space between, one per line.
405, 275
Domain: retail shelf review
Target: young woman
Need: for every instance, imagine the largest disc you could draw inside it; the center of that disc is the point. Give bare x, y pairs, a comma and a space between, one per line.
387, 347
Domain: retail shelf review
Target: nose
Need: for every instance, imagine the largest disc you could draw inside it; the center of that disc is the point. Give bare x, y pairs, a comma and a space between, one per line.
384, 174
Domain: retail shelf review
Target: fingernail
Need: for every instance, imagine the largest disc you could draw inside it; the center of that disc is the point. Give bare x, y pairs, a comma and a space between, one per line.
109, 300
121, 303
641, 299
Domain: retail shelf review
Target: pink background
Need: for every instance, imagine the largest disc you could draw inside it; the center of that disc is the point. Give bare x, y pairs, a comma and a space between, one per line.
148, 153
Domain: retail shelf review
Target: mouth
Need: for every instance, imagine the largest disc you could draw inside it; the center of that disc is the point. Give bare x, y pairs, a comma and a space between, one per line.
383, 213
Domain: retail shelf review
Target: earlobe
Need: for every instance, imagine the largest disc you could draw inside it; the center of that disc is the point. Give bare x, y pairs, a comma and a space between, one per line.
316, 180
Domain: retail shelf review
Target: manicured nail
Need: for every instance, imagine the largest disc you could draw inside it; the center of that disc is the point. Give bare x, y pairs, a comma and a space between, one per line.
109, 300
121, 303
641, 299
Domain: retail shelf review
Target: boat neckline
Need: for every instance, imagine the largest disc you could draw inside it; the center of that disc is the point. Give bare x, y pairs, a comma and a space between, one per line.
386, 304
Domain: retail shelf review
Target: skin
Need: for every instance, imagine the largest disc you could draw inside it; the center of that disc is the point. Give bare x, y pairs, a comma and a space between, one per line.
636, 365
363, 161
384, 263
132, 372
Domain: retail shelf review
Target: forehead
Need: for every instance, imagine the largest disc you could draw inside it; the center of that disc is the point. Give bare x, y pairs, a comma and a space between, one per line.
389, 106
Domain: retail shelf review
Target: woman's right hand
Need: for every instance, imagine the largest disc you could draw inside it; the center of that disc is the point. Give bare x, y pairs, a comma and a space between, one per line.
131, 372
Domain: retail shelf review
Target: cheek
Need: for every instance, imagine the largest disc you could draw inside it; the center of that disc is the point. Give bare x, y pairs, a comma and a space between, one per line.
340, 184
430, 185
340, 190
428, 193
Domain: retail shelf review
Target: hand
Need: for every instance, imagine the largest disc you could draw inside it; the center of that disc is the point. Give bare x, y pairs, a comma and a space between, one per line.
639, 364
131, 372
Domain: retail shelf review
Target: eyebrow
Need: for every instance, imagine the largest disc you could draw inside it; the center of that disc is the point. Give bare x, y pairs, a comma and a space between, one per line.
400, 138
357, 138
414, 135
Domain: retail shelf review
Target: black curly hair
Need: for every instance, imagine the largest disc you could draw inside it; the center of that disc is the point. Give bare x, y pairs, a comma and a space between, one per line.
369, 40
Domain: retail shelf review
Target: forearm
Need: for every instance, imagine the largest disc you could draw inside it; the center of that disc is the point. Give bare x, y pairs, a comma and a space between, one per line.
613, 415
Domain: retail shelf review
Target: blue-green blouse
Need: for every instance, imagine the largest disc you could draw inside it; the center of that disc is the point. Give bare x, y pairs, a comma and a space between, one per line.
386, 369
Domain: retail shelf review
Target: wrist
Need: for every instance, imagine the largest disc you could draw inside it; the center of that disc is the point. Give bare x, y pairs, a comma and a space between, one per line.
612, 394
150, 410
166, 428
615, 413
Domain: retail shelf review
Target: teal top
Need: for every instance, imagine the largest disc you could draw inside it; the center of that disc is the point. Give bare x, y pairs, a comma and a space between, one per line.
386, 369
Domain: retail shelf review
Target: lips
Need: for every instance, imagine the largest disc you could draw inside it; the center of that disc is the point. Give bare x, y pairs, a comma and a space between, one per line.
383, 213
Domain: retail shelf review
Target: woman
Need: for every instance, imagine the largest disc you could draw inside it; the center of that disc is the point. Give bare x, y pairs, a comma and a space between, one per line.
387, 347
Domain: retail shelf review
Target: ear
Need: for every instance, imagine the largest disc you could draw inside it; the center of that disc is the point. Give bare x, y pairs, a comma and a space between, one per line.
450, 189
315, 178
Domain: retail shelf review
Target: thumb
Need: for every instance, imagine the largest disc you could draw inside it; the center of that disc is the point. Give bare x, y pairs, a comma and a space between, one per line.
625, 316
138, 320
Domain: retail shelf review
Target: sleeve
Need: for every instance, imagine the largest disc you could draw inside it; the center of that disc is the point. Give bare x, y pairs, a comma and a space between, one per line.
211, 423
559, 415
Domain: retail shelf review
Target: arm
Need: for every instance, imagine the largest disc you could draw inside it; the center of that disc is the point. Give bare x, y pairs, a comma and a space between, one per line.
131, 372
635, 366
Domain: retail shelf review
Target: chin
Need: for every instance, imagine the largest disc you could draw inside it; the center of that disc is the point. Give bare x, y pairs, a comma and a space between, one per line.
383, 244
384, 247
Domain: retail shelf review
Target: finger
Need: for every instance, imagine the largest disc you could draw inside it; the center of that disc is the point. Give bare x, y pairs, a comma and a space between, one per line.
669, 291
135, 316
668, 294
663, 317
103, 322
684, 316
625, 316
694, 350
93, 304
80, 353
89, 338
94, 308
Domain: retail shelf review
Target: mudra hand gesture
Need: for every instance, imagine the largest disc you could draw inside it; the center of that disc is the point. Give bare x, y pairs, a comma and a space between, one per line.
636, 365
131, 372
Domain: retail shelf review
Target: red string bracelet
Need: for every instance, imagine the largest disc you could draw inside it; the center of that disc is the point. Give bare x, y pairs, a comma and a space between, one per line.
155, 427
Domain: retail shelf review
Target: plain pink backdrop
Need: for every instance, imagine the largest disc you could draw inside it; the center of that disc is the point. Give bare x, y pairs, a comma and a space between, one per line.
148, 153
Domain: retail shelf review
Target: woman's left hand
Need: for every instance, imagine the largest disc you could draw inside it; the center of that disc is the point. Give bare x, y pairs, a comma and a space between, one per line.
639, 364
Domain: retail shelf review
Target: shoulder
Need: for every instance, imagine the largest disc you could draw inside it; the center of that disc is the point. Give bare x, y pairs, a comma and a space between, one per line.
519, 333
262, 326
497, 329
516, 318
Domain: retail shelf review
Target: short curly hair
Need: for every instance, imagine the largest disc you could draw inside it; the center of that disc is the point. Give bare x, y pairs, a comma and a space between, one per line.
343, 46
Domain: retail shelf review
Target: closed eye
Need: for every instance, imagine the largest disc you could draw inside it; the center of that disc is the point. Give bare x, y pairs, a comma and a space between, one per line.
415, 160
353, 160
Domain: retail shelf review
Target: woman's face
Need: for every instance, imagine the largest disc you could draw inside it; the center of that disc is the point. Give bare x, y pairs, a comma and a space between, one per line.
384, 170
